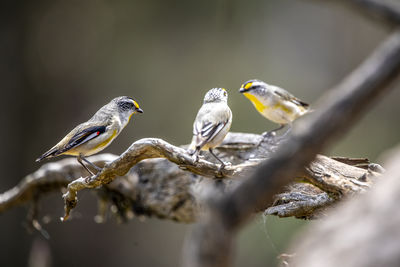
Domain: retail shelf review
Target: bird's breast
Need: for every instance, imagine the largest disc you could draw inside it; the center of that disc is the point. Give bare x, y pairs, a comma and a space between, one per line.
106, 140
256, 102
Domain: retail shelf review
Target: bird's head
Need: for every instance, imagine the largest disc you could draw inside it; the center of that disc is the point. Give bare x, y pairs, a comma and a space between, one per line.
216, 95
125, 106
254, 87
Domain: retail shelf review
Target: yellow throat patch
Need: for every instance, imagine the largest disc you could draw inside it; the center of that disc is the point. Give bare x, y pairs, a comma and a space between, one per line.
257, 103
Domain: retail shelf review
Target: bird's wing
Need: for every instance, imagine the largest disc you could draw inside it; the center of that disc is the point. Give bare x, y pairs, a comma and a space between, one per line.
83, 136
208, 132
289, 97
208, 124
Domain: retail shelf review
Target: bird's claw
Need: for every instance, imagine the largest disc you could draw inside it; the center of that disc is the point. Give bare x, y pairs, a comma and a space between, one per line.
227, 164
219, 173
221, 168
87, 179
196, 158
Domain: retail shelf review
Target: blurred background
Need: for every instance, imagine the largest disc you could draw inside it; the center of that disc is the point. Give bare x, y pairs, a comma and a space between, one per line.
62, 60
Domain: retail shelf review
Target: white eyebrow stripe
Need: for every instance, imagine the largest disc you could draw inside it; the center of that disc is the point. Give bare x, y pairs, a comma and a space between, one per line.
257, 84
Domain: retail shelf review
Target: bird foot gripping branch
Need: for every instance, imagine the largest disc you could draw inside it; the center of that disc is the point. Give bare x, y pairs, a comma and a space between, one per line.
97, 133
91, 137
212, 124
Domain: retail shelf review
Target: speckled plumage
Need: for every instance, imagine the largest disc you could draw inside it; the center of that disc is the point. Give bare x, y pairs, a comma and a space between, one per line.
212, 123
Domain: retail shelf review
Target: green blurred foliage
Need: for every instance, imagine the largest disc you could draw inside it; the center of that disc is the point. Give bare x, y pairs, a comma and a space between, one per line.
62, 60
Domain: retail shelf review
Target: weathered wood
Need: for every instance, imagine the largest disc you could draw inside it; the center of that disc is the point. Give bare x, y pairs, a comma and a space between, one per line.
161, 188
243, 150
363, 232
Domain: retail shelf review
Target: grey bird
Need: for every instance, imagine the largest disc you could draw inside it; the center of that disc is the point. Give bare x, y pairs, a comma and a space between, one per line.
97, 133
274, 103
212, 123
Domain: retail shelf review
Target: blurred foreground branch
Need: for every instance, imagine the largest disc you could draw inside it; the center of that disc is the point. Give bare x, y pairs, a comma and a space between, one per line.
210, 243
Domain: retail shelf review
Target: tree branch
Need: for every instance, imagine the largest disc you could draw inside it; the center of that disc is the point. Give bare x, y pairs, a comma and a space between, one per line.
328, 180
157, 148
49, 177
161, 188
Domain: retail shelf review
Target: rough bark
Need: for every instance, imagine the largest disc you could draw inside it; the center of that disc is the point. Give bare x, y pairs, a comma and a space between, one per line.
164, 189
362, 232
249, 146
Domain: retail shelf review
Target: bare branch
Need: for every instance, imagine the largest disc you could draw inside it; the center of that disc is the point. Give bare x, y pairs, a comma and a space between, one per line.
300, 205
334, 177
159, 187
50, 177
210, 242
363, 232
157, 148
329, 180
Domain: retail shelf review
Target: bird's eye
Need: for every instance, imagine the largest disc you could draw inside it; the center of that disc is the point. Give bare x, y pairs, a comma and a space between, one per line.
126, 105
225, 93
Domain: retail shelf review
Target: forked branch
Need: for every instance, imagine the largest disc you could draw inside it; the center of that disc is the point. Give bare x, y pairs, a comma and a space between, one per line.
157, 148
160, 187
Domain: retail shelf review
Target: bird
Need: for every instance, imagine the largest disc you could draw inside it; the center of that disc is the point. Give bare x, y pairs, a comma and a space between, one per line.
274, 103
212, 123
97, 133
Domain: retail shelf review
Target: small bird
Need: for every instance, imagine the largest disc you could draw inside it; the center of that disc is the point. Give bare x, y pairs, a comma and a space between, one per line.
274, 103
92, 136
212, 123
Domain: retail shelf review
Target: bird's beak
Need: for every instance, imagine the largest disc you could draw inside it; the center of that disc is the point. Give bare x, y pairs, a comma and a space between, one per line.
139, 110
242, 90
